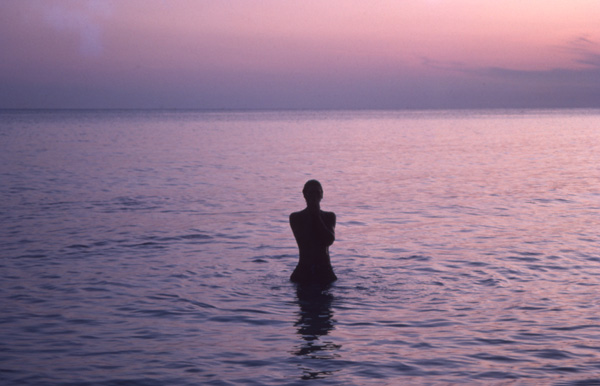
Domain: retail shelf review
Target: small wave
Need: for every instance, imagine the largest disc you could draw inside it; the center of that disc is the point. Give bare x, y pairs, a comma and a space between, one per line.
32, 256
354, 223
551, 354
230, 237
251, 311
491, 282
415, 258
147, 244
196, 236
545, 268
435, 323
574, 328
495, 342
358, 324
94, 289
477, 263
522, 258
497, 358
159, 313
527, 308
496, 375
78, 246
582, 382
395, 251
442, 362
246, 320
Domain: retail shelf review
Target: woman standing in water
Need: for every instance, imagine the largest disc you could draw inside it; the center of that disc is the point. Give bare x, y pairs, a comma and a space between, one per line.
314, 233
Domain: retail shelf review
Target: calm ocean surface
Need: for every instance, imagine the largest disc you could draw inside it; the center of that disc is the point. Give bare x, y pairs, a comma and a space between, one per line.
153, 248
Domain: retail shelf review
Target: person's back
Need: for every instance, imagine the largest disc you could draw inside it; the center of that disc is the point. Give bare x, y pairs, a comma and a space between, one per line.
314, 231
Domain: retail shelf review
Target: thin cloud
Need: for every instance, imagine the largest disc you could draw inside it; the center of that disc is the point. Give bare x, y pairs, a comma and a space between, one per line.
82, 21
585, 51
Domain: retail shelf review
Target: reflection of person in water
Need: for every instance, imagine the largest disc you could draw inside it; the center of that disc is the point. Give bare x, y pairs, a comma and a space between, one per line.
314, 233
315, 319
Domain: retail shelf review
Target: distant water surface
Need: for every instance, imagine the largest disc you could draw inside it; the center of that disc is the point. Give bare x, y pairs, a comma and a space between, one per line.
153, 247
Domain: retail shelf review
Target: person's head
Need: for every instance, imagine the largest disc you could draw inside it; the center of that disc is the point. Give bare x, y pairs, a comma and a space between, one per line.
313, 192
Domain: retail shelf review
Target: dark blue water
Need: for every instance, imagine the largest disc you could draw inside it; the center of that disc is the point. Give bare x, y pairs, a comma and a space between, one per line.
152, 248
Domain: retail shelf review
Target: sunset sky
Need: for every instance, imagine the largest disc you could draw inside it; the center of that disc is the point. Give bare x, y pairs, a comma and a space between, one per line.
263, 54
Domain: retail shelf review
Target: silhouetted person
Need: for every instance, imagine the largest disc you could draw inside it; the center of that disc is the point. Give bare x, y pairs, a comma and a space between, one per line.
314, 233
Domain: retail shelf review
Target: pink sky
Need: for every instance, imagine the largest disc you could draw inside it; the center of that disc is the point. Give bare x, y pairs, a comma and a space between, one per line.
299, 54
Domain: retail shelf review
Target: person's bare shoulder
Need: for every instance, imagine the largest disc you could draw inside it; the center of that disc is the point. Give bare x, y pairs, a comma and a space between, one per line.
295, 216
329, 217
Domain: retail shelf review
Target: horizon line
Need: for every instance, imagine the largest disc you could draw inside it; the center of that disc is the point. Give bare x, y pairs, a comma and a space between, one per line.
298, 109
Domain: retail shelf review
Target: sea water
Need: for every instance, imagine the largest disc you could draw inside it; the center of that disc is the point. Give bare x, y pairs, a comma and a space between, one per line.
153, 247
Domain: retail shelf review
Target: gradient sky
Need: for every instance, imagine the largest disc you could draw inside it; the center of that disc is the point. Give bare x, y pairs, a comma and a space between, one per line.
240, 54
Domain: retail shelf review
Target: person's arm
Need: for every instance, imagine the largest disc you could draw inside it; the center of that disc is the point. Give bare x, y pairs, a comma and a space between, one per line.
324, 226
294, 226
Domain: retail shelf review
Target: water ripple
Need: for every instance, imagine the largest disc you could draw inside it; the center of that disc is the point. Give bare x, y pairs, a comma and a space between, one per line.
148, 248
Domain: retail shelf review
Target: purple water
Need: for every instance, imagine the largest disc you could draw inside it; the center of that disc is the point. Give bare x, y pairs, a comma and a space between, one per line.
153, 248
